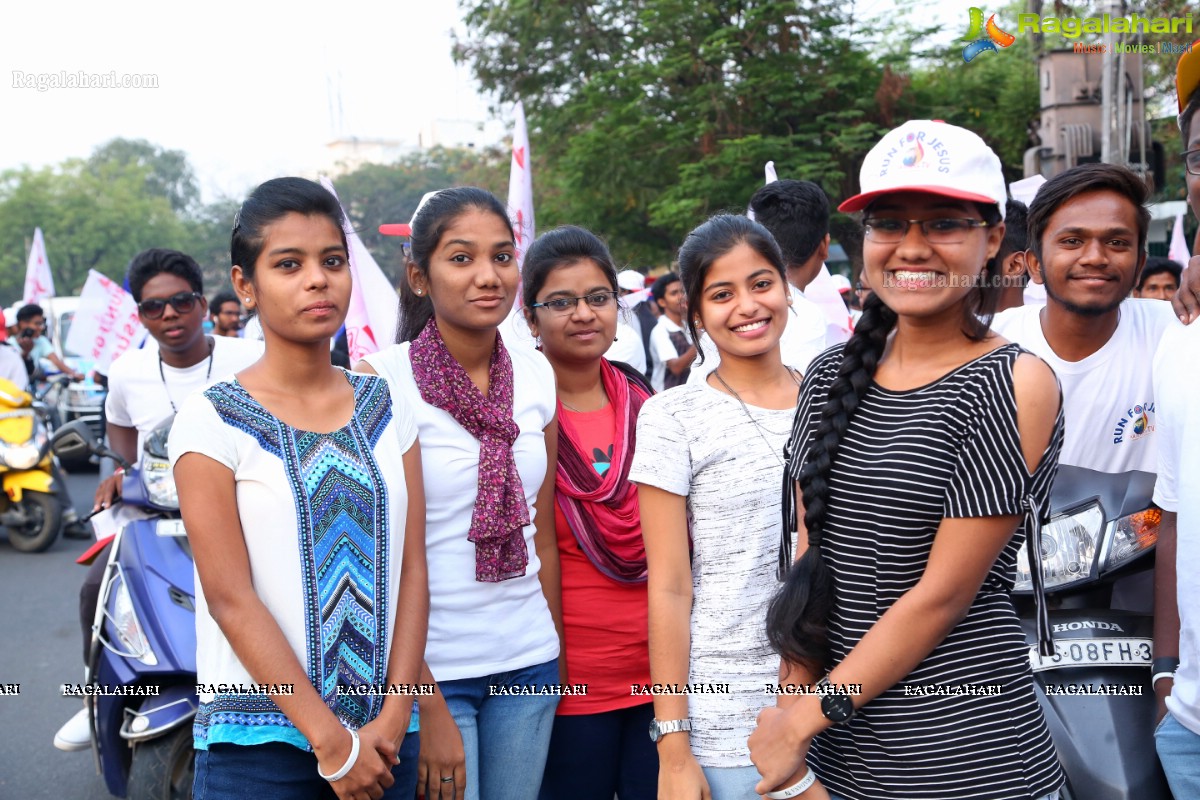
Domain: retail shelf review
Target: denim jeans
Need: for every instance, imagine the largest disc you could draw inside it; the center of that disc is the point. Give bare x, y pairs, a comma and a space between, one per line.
505, 737
599, 756
278, 771
732, 783
1179, 752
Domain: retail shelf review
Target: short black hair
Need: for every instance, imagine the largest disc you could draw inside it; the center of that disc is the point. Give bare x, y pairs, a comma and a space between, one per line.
1156, 265
797, 215
221, 298
148, 263
1016, 230
1083, 179
658, 289
29, 311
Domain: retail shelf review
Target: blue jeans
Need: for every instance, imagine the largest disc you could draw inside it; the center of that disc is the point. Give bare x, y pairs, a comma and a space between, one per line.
597, 756
505, 737
732, 783
279, 771
1179, 752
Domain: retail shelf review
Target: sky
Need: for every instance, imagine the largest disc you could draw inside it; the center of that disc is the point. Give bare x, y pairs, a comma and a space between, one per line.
249, 90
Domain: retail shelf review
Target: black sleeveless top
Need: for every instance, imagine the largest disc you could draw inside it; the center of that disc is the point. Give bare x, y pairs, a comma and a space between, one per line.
908, 460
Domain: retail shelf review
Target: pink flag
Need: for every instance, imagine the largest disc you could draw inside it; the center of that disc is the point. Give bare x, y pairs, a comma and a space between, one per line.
106, 323
520, 185
1179, 249
374, 306
39, 283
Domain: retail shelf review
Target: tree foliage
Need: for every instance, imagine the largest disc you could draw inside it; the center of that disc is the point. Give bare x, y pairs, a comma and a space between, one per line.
652, 115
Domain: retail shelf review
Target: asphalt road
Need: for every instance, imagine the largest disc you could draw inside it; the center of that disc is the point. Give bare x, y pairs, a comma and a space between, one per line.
41, 649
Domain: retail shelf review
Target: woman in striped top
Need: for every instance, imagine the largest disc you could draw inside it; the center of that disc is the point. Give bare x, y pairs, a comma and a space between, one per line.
922, 454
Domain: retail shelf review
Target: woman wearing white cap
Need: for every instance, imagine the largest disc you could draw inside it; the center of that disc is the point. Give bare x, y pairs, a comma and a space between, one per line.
921, 457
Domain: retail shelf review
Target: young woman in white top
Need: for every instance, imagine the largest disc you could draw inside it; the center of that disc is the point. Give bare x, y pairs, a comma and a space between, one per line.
300, 486
712, 453
488, 444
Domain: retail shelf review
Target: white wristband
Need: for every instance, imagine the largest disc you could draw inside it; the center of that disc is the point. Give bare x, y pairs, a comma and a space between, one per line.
808, 780
1158, 676
350, 760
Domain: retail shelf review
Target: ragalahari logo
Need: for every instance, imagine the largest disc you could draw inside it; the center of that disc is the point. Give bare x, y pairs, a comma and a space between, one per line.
984, 37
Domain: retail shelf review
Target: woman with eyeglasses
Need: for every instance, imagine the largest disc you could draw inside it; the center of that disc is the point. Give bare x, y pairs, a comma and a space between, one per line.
599, 746
921, 459
709, 466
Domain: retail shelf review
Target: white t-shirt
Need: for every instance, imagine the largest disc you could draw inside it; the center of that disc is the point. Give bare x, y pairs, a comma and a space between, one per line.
662, 350
12, 367
1108, 400
332, 583
478, 628
627, 347
697, 442
804, 337
140, 397
1177, 488
822, 291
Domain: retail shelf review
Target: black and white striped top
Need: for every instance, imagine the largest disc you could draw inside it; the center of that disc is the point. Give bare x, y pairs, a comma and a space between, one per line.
908, 460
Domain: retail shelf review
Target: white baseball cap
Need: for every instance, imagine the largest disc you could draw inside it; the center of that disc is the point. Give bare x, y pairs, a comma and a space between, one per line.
631, 280
934, 157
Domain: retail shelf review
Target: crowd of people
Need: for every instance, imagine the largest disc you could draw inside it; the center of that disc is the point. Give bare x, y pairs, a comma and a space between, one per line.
488, 569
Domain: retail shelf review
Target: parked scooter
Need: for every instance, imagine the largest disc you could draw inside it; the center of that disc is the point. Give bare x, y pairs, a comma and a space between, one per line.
29, 508
143, 652
1095, 691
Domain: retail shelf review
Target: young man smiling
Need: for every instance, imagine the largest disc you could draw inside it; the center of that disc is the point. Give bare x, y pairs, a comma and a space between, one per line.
1087, 237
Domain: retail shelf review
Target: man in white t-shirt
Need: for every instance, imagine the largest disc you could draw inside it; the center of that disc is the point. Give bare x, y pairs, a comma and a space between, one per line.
145, 387
669, 345
1087, 236
1176, 669
12, 366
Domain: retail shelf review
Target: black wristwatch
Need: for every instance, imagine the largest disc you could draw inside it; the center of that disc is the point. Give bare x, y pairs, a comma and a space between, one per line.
838, 707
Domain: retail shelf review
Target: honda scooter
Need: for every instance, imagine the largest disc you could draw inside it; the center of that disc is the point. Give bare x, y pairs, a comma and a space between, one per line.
142, 660
1095, 690
29, 507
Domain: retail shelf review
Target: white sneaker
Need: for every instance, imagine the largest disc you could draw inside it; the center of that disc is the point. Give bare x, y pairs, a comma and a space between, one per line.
76, 734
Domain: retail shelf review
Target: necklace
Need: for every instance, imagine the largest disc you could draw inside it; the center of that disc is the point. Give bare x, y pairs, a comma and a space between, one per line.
762, 432
163, 377
578, 411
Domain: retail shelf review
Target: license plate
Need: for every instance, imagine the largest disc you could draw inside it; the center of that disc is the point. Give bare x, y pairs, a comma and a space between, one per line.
1122, 652
170, 527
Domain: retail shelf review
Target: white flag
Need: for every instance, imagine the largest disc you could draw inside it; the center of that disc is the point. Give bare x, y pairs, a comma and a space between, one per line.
1179, 249
374, 306
106, 322
39, 283
520, 185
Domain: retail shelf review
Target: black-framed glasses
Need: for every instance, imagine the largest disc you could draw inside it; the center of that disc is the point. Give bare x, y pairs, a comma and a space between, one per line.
946, 230
1191, 161
566, 305
153, 307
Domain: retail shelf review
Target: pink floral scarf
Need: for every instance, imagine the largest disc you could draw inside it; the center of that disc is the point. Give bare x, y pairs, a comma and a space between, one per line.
501, 513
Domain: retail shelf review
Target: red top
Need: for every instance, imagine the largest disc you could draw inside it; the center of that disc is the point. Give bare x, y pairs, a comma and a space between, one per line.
605, 622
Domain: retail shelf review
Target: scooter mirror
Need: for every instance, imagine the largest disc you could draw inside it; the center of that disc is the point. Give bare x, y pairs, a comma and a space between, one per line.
73, 441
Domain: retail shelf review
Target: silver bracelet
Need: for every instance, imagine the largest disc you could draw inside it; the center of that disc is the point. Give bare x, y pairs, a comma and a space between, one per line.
350, 760
1158, 676
808, 780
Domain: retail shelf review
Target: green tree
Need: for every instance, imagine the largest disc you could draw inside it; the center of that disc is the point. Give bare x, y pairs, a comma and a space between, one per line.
651, 115
168, 172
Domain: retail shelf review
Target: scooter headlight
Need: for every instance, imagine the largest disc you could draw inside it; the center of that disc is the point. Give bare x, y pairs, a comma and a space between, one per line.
1069, 546
159, 483
1129, 537
129, 630
22, 456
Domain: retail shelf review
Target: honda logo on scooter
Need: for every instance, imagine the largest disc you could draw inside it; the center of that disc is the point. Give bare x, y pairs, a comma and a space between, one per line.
1087, 625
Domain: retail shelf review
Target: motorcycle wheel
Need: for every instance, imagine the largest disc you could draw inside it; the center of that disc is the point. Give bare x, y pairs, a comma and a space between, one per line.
163, 768
44, 516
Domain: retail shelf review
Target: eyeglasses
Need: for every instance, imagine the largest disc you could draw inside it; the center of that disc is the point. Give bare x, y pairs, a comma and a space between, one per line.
567, 305
154, 307
885, 230
1191, 160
